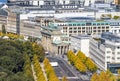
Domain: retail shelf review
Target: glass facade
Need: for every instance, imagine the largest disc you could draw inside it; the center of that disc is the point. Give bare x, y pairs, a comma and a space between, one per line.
113, 67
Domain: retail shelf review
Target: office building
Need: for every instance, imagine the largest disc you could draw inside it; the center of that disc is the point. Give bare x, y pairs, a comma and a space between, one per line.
105, 51
83, 27
80, 42
115, 26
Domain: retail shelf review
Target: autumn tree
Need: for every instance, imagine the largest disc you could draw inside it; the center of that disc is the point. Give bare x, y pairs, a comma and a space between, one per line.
87, 61
80, 66
95, 77
27, 67
64, 78
39, 51
49, 71
110, 75
74, 60
82, 56
103, 76
116, 17
71, 57
118, 78
38, 69
91, 65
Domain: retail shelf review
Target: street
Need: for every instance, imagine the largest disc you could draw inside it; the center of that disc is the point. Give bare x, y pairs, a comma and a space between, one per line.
65, 69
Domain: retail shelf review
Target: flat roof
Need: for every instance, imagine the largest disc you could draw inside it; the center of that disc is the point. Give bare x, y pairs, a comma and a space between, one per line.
81, 36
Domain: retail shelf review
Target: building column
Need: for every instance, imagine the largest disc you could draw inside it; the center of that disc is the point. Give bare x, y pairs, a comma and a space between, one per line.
58, 50
63, 50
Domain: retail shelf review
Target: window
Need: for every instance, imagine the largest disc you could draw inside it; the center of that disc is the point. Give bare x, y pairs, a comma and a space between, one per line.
102, 23
75, 28
118, 57
75, 31
83, 27
113, 58
83, 24
98, 23
113, 53
64, 27
99, 27
74, 24
88, 24
118, 53
108, 57
79, 28
94, 27
70, 24
106, 24
108, 51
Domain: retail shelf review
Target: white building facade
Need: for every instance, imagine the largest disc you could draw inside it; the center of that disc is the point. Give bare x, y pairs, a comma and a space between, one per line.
80, 42
105, 52
115, 26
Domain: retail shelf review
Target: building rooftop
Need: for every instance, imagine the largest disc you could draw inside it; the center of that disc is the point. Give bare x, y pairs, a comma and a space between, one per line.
111, 37
81, 36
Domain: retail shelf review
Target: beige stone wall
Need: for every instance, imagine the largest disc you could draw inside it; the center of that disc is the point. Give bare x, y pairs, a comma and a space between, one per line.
11, 24
30, 29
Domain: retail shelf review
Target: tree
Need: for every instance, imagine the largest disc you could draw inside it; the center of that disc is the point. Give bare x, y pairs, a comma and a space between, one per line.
15, 65
82, 56
110, 75
118, 78
87, 61
116, 17
80, 66
27, 67
3, 29
38, 69
103, 76
109, 15
64, 78
90, 65
39, 51
49, 71
75, 60
95, 77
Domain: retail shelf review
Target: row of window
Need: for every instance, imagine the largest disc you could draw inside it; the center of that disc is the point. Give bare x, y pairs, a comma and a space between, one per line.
88, 31
83, 24
113, 52
113, 58
107, 27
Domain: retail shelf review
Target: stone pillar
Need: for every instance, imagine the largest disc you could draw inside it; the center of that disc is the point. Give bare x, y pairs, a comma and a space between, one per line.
58, 50
63, 50
67, 47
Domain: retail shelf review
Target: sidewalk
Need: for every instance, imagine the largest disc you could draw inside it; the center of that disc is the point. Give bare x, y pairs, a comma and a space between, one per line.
34, 75
42, 66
